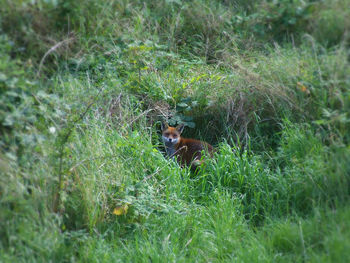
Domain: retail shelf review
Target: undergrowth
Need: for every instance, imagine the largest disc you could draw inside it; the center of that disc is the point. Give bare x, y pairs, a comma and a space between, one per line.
84, 86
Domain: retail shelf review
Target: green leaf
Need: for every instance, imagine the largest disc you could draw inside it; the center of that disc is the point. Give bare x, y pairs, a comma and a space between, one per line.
3, 77
182, 105
191, 124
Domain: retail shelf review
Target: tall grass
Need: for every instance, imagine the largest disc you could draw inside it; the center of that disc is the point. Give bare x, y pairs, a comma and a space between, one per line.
84, 86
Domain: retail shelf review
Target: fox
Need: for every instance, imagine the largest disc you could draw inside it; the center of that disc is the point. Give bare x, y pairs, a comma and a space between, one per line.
187, 151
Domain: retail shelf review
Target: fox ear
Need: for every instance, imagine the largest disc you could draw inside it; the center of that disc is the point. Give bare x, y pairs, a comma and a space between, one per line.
164, 126
180, 128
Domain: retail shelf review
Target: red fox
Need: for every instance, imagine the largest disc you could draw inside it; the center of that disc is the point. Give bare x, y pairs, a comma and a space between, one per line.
187, 151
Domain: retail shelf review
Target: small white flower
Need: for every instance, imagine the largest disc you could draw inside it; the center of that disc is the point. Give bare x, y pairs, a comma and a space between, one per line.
52, 130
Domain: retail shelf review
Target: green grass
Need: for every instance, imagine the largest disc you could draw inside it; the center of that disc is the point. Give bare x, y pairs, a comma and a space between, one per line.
84, 177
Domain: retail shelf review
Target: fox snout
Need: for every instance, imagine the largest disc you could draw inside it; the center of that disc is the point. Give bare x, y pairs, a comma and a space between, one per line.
169, 141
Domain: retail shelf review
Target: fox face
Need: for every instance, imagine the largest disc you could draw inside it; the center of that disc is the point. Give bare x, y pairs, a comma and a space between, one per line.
171, 135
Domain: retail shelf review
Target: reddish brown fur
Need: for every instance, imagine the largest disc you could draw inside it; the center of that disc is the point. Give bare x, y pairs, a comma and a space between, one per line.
187, 151
190, 150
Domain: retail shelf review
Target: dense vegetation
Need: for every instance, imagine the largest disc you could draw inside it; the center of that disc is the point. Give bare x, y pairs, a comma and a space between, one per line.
84, 85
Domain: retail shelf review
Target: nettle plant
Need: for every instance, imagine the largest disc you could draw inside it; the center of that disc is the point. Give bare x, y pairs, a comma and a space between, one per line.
183, 109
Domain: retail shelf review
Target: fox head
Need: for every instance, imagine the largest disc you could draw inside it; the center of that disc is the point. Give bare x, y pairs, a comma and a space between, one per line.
171, 135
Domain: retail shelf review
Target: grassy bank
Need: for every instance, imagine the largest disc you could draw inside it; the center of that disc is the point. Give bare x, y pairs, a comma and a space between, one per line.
84, 86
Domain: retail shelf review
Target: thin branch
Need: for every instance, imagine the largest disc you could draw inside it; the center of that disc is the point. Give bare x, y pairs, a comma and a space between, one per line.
159, 169
61, 151
139, 116
183, 147
52, 49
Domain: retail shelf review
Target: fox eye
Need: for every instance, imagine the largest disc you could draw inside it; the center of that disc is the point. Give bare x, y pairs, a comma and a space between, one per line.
166, 134
175, 136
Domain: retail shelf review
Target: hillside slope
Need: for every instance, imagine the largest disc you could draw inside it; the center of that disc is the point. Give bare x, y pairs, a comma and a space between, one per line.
84, 86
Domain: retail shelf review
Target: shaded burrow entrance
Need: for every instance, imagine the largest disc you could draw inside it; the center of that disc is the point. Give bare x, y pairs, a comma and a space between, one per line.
233, 123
